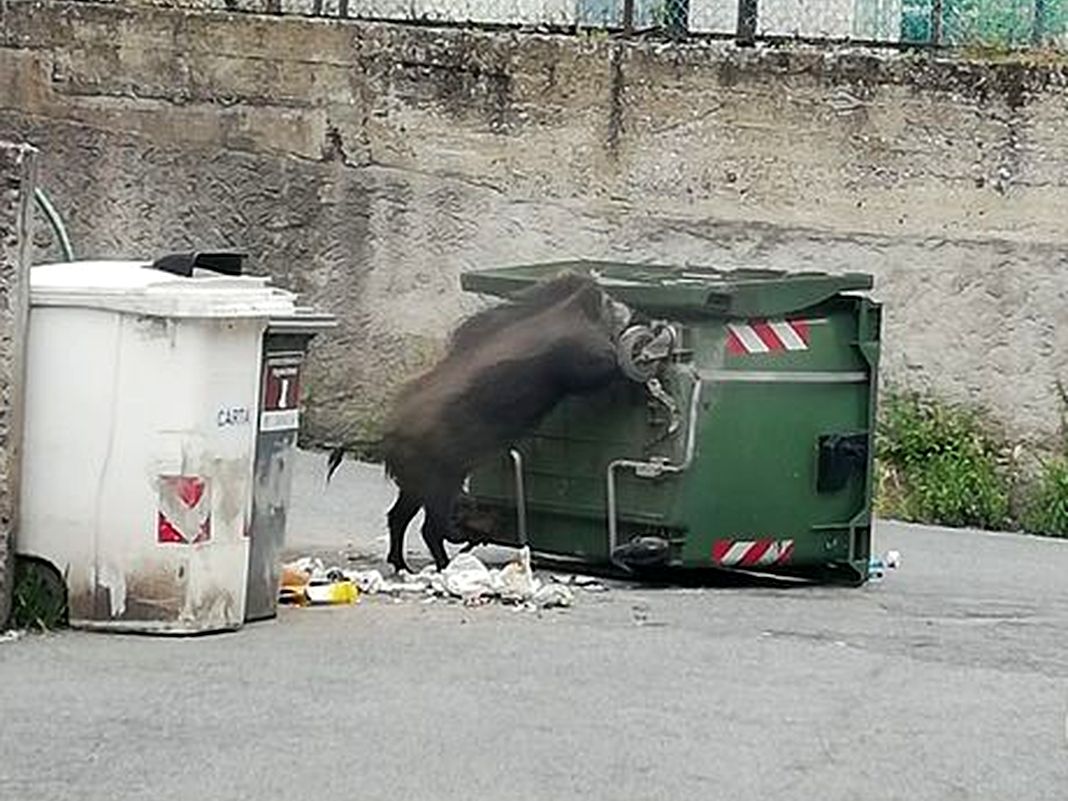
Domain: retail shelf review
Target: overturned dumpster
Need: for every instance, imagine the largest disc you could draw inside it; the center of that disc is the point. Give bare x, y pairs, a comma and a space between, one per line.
749, 448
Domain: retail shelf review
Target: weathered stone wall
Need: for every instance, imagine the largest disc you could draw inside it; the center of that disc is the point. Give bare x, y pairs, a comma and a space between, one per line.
16, 200
368, 165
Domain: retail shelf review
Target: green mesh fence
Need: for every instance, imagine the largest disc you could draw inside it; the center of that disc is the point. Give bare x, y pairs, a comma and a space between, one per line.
986, 23
982, 23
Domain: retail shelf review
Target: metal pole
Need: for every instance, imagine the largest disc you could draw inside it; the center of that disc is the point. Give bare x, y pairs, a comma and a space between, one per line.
520, 497
1038, 32
55, 221
745, 35
936, 22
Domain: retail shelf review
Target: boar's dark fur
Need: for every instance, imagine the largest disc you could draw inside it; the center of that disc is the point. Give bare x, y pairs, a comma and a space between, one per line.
505, 369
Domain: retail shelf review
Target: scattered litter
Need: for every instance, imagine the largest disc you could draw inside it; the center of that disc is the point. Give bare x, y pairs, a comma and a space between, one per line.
553, 595
331, 591
878, 565
308, 581
515, 581
585, 583
367, 581
466, 577
11, 636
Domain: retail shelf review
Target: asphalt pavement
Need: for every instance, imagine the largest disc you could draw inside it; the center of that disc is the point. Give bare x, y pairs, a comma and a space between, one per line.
947, 680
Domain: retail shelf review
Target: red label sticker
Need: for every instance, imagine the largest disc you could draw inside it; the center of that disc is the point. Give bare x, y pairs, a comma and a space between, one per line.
184, 516
280, 404
281, 383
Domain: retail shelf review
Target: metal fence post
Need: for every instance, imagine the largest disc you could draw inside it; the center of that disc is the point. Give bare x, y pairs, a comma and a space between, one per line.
936, 22
628, 17
745, 35
1038, 32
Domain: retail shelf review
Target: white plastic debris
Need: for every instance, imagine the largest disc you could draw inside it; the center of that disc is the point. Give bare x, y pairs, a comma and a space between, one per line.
368, 582
515, 581
306, 564
12, 635
585, 583
553, 595
878, 565
467, 578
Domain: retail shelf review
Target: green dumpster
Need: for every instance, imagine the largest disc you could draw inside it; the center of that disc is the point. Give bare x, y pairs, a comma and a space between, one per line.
752, 450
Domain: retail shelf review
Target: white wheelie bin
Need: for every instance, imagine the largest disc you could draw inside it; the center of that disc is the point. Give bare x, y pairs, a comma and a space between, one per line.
140, 420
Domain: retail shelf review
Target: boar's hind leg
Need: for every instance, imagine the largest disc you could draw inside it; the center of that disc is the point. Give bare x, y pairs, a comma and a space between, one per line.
399, 516
440, 525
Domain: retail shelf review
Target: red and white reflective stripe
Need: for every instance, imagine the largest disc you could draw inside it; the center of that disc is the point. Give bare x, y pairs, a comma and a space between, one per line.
761, 336
752, 553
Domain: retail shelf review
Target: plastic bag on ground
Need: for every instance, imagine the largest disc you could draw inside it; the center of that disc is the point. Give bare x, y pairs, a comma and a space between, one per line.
515, 581
467, 578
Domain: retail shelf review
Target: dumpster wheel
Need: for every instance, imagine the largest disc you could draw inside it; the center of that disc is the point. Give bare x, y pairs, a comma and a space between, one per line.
643, 553
40, 595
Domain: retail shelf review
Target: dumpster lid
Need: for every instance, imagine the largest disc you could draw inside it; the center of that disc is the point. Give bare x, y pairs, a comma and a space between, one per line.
228, 262
302, 320
741, 292
135, 287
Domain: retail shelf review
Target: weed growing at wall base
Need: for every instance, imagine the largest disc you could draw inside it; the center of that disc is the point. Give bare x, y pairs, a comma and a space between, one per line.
40, 596
1047, 510
939, 464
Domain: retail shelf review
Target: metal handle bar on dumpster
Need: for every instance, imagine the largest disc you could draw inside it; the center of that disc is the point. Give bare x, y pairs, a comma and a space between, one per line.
520, 497
651, 469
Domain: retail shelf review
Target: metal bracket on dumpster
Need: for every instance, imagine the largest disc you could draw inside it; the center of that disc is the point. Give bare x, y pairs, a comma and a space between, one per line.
656, 389
650, 468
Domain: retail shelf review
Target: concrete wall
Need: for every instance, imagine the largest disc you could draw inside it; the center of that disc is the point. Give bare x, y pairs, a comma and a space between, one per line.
368, 165
16, 200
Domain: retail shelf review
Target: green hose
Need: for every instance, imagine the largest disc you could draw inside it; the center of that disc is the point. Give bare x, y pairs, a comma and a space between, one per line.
57, 223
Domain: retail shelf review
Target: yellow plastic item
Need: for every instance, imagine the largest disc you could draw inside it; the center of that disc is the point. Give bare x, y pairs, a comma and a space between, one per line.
331, 592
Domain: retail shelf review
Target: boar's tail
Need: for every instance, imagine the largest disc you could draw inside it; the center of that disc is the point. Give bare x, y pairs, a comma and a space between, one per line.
333, 462
365, 448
